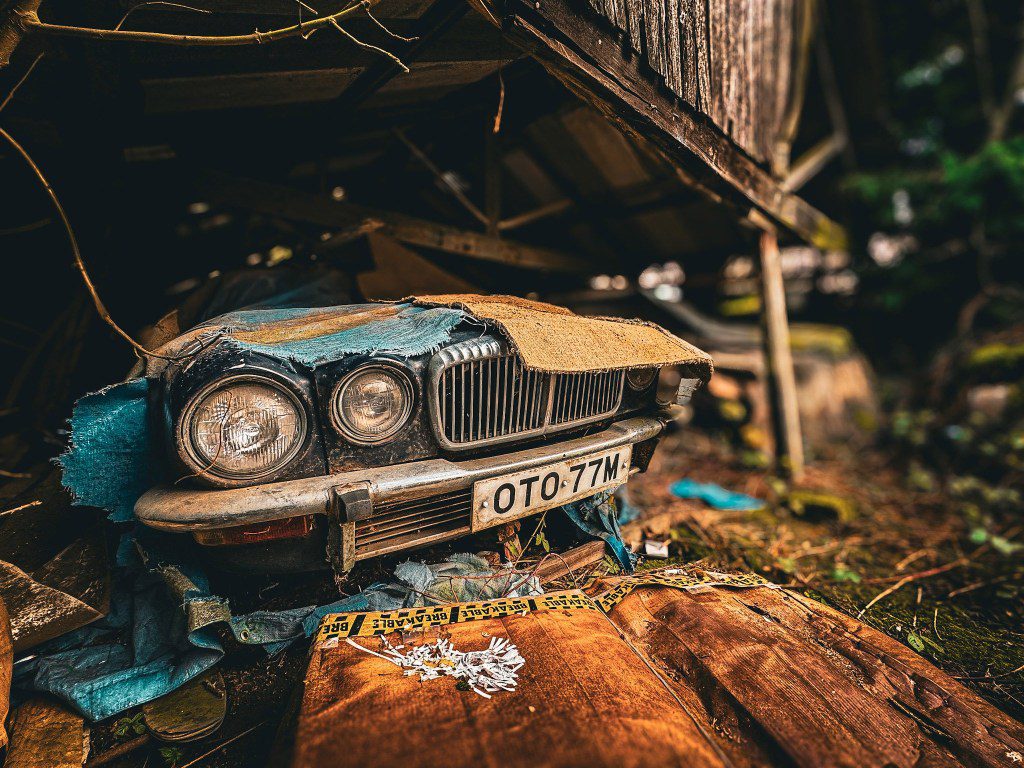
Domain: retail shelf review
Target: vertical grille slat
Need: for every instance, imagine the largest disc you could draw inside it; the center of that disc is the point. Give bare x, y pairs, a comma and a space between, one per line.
485, 394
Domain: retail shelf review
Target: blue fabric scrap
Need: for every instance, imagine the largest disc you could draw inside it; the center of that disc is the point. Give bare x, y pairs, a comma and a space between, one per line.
597, 517
112, 459
161, 632
715, 496
412, 331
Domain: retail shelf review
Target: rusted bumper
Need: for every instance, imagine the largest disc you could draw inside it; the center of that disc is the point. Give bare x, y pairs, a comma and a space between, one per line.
188, 510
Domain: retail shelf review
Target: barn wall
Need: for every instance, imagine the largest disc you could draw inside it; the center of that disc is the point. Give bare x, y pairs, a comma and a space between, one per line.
732, 60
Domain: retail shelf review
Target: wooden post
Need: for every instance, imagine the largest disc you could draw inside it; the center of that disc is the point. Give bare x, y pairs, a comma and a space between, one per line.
781, 380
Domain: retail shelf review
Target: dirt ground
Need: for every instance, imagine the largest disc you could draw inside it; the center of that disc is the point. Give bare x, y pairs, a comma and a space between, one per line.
907, 562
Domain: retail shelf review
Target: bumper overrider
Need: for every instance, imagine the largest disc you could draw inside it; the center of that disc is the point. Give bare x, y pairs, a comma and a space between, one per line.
375, 511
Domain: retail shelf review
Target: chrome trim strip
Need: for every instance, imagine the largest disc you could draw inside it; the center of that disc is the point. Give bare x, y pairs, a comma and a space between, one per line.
173, 508
487, 348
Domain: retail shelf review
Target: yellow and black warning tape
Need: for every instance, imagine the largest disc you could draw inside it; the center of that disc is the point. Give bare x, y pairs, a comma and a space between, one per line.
689, 581
341, 625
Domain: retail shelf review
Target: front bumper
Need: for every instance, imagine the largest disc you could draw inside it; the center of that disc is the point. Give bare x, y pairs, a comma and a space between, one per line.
373, 512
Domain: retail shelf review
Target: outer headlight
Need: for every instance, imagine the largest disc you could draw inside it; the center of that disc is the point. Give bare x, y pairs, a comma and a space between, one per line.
242, 428
640, 379
372, 403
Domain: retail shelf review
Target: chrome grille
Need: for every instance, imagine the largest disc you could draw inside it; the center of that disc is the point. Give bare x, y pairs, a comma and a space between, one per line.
398, 525
481, 394
581, 396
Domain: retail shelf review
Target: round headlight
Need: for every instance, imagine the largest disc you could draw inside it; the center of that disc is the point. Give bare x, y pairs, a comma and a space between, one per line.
243, 428
640, 379
372, 403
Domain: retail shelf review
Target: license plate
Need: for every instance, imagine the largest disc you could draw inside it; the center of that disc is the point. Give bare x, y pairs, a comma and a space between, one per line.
510, 497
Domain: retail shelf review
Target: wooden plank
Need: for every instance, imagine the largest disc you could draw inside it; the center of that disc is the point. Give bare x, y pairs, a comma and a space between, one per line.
181, 94
288, 203
781, 379
626, 95
780, 679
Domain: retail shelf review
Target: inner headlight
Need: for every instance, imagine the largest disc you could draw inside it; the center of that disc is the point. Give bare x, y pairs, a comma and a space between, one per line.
372, 403
640, 379
243, 428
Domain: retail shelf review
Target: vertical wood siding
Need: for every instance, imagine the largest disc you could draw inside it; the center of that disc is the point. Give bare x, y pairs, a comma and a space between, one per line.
731, 60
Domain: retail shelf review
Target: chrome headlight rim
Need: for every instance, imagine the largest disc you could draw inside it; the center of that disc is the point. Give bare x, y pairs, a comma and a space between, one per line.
408, 388
201, 468
650, 374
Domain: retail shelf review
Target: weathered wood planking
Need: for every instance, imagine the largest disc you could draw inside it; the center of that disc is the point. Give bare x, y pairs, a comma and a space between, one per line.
570, 41
731, 60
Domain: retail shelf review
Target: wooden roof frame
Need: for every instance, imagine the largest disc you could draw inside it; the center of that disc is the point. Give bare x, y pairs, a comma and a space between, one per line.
584, 52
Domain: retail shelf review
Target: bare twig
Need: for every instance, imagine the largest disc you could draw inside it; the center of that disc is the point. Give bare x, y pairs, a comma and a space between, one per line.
387, 31
223, 744
501, 103
14, 475
368, 46
21, 80
30, 227
30, 22
978, 21
134, 8
912, 577
992, 677
73, 242
20, 507
443, 179
119, 751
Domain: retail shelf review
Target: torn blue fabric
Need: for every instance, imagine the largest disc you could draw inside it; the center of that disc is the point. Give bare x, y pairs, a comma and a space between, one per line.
161, 632
112, 459
412, 331
596, 516
715, 496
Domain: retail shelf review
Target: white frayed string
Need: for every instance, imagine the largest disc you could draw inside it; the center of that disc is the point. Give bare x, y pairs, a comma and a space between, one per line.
493, 669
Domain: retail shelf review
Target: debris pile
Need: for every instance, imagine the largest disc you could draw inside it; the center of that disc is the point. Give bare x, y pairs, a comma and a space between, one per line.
485, 672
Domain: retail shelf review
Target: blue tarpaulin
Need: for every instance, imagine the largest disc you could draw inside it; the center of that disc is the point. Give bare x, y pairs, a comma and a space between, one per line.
715, 495
160, 633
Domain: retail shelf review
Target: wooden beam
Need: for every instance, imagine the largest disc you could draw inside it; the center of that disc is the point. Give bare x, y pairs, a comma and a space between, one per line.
579, 48
275, 200
437, 20
789, 447
809, 164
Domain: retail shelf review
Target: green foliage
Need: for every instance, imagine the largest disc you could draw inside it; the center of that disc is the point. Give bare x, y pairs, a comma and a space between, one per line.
130, 725
172, 756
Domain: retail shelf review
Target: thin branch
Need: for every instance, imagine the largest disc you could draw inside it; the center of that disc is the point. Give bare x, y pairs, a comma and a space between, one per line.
501, 102
368, 46
387, 31
31, 23
73, 242
18, 84
442, 178
23, 228
1014, 83
978, 22
134, 8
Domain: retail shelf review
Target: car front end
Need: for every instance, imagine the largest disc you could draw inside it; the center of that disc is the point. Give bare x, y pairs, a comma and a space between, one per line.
373, 454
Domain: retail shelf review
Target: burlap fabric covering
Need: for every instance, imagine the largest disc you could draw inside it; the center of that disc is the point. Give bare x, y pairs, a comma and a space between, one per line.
556, 340
585, 698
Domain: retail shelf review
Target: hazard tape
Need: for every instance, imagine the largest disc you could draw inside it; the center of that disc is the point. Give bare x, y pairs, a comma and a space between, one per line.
690, 581
335, 626
341, 625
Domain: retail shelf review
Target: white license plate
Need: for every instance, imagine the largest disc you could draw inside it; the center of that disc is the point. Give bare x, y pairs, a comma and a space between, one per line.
509, 497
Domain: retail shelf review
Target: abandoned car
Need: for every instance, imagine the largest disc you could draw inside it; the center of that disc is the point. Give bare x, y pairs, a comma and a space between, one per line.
369, 429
